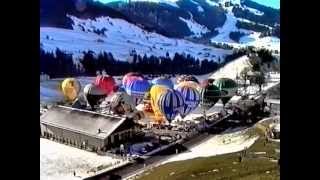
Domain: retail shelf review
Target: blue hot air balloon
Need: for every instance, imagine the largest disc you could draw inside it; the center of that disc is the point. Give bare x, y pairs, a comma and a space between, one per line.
171, 104
137, 89
191, 99
163, 81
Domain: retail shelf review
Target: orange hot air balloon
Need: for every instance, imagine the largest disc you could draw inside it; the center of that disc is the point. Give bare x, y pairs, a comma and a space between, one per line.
70, 88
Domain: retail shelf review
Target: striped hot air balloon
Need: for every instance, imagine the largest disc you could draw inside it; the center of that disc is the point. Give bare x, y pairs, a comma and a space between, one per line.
163, 81
137, 89
188, 84
171, 104
191, 99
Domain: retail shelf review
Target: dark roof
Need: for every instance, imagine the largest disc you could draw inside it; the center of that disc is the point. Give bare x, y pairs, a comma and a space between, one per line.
82, 121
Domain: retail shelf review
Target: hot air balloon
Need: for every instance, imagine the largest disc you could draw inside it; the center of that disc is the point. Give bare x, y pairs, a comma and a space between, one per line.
188, 84
228, 86
210, 95
163, 81
171, 104
121, 103
155, 92
93, 94
70, 88
137, 88
126, 78
106, 83
191, 99
183, 78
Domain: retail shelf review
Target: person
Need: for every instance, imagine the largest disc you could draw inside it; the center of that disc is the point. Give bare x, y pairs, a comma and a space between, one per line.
99, 130
74, 173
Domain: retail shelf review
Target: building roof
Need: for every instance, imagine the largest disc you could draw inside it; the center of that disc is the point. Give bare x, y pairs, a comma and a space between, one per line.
82, 121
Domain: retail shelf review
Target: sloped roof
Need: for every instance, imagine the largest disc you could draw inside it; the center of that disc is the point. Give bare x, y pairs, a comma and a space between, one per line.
82, 121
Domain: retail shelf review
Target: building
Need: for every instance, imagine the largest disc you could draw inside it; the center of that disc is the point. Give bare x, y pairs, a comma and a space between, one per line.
86, 129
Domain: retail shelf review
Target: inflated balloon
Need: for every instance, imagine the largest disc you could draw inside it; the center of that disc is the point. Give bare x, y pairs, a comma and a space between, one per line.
188, 84
137, 89
106, 83
191, 99
155, 92
131, 79
93, 94
210, 95
121, 103
229, 88
70, 88
130, 74
183, 78
171, 104
206, 82
163, 81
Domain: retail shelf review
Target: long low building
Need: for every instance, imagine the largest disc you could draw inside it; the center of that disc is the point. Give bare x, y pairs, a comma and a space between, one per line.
86, 129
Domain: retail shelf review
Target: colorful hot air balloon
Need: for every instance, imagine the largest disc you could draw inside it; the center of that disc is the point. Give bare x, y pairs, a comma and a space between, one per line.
70, 88
163, 81
228, 86
171, 104
137, 88
191, 99
210, 95
126, 78
93, 94
183, 78
155, 92
106, 83
188, 84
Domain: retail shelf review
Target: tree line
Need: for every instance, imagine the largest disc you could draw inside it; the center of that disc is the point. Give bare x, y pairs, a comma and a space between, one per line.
61, 64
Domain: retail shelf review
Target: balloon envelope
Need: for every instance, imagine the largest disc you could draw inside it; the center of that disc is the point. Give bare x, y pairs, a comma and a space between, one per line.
191, 99
122, 99
227, 85
106, 83
210, 95
70, 88
188, 84
137, 89
130, 74
171, 104
155, 93
163, 81
93, 94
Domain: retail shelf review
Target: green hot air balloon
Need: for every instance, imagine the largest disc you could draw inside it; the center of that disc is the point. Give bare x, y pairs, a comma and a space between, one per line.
228, 88
209, 96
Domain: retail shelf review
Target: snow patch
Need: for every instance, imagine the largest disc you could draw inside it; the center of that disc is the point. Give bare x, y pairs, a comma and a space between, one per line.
197, 29
227, 142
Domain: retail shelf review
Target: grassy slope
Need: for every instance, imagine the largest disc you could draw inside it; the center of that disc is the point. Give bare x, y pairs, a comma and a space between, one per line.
253, 167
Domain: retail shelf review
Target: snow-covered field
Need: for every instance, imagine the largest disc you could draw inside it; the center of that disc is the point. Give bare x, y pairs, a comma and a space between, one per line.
232, 140
121, 38
58, 161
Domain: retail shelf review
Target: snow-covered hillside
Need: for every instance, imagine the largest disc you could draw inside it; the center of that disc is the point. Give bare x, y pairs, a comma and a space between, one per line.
120, 38
232, 69
251, 38
197, 29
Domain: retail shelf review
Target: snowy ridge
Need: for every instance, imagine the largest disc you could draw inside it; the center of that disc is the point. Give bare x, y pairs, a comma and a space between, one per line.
169, 2
120, 38
254, 11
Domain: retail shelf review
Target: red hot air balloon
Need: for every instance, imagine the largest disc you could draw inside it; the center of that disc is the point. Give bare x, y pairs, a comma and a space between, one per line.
106, 83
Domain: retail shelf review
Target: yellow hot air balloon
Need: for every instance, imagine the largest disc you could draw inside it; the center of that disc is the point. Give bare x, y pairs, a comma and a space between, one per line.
70, 88
155, 92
